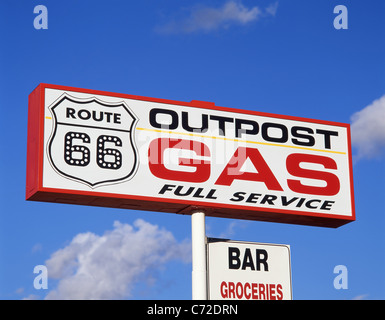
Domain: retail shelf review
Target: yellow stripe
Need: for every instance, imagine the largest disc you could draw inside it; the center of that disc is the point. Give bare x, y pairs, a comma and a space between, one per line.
238, 140
48, 118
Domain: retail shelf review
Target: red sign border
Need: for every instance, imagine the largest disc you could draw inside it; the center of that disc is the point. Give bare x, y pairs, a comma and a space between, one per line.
36, 192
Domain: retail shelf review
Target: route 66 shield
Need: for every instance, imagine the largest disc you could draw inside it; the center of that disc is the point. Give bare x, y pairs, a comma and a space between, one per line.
92, 141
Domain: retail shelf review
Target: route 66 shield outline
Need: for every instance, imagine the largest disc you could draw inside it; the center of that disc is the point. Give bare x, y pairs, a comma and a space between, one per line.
92, 140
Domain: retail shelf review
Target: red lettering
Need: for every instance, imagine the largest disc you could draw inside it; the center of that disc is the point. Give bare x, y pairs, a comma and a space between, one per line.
254, 291
247, 290
239, 290
247, 294
272, 291
262, 294
293, 162
231, 290
232, 170
224, 292
279, 292
157, 161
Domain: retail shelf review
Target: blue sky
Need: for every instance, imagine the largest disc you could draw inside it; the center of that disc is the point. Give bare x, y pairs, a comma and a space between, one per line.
282, 57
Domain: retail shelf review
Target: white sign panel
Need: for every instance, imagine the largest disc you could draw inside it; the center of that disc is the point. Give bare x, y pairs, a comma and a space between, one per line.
248, 271
106, 149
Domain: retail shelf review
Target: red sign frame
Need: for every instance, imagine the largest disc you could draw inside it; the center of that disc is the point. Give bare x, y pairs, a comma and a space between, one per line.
36, 192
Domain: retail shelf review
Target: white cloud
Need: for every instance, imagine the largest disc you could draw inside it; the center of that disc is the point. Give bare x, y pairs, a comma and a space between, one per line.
361, 297
231, 229
108, 266
31, 297
37, 248
272, 9
203, 18
368, 130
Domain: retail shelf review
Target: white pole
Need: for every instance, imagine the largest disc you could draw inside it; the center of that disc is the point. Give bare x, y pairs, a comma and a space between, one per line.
199, 274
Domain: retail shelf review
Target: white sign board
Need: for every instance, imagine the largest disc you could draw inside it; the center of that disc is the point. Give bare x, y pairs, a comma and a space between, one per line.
248, 271
117, 150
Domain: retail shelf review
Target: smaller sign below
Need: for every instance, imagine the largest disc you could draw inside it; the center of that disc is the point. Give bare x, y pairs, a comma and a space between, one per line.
248, 271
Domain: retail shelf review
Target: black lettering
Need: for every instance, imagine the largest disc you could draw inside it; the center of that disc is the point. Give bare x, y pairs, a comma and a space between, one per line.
117, 118
234, 261
221, 123
262, 259
179, 193
248, 260
210, 195
309, 140
197, 193
327, 205
327, 134
108, 114
174, 119
269, 199
70, 113
239, 130
308, 204
166, 187
238, 196
94, 116
284, 132
253, 197
286, 202
300, 202
86, 116
204, 127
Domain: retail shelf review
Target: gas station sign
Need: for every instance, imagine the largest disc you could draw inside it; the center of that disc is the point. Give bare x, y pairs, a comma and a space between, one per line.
117, 150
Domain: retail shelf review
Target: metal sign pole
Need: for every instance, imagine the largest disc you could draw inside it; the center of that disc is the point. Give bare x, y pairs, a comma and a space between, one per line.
199, 272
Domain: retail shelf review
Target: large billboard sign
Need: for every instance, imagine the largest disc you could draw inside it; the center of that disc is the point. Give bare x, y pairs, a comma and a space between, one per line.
118, 150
